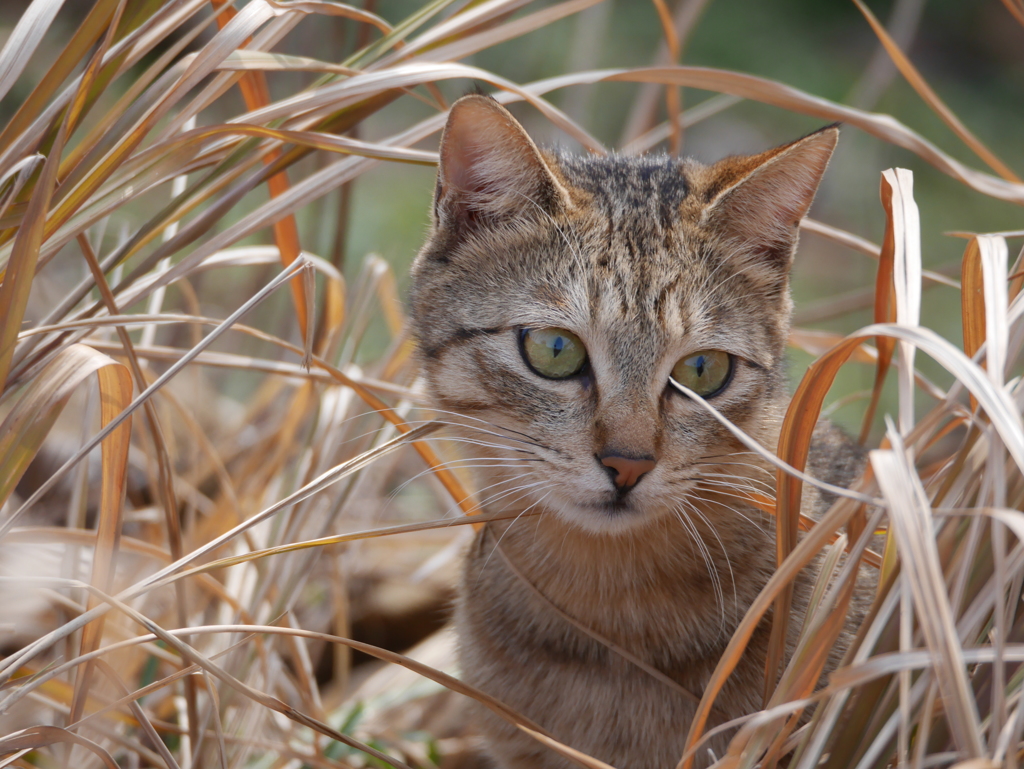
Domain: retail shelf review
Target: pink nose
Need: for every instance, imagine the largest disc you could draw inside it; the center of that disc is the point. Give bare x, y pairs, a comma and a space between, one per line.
629, 470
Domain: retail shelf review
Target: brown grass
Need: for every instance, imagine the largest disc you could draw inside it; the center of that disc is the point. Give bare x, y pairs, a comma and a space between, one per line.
191, 601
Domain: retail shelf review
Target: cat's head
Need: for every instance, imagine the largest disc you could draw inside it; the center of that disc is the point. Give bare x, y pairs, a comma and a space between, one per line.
557, 294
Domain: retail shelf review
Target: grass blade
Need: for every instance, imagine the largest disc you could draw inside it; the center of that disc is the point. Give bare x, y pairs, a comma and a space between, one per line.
932, 99
912, 521
23, 40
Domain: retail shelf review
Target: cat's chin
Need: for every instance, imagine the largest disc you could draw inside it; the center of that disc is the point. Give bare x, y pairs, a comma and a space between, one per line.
606, 518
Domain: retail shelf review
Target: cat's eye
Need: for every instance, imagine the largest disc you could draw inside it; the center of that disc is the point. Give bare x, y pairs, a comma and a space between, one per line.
706, 372
554, 353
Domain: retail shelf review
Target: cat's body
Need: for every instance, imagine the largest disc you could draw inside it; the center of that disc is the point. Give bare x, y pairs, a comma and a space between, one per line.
638, 530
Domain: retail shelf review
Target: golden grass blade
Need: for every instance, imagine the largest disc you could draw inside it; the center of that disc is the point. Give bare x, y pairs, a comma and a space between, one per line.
706, 109
13, 182
312, 139
385, 655
200, 65
266, 700
463, 47
1016, 9
148, 392
141, 718
245, 59
891, 284
884, 127
372, 53
92, 70
115, 394
794, 446
932, 99
884, 306
564, 750
336, 539
340, 10
23, 40
671, 94
88, 32
968, 235
29, 420
866, 247
17, 280
473, 16
256, 94
994, 258
41, 736
911, 519
837, 235
902, 212
113, 488
972, 302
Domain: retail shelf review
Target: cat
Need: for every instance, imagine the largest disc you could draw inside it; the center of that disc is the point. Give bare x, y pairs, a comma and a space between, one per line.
555, 297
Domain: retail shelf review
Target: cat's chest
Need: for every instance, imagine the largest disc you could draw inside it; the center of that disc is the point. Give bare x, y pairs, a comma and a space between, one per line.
664, 603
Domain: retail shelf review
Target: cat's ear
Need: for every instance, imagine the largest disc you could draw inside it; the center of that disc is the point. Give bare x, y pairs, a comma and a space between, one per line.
490, 169
757, 202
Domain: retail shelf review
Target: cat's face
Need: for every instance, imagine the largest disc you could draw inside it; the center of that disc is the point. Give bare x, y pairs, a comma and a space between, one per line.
558, 295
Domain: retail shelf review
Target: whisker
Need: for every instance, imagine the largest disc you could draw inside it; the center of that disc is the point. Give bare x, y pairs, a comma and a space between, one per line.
509, 527
725, 552
734, 511
751, 465
739, 480
705, 554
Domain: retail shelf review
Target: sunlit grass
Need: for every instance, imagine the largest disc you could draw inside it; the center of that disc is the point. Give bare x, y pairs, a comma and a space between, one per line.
172, 247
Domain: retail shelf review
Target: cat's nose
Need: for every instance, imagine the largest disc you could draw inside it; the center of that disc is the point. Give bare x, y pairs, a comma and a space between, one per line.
627, 470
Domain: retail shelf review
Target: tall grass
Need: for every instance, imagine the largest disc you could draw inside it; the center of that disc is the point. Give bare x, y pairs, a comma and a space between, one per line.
189, 601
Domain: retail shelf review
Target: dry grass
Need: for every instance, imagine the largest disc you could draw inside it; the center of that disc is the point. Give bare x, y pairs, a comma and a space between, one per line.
175, 606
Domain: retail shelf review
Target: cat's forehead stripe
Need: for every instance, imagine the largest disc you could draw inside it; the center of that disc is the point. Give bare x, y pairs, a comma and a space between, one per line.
630, 189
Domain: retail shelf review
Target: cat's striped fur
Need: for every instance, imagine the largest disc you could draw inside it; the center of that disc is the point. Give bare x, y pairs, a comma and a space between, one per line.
646, 259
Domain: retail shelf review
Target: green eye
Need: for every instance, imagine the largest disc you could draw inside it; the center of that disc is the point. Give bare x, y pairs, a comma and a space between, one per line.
554, 353
705, 372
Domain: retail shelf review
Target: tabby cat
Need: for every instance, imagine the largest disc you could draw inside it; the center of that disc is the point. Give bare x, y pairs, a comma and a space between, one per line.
554, 299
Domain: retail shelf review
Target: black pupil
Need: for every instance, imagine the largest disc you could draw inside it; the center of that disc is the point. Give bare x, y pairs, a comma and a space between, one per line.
557, 346
699, 365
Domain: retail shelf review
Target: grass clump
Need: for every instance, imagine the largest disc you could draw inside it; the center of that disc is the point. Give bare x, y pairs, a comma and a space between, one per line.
216, 469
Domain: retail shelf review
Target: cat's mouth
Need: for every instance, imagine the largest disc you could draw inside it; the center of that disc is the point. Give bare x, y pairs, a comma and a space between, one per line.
612, 512
618, 506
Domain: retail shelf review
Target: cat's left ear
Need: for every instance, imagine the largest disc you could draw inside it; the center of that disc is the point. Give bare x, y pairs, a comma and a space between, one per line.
761, 199
490, 169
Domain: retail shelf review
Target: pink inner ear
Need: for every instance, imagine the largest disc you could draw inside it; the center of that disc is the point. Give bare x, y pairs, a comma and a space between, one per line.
462, 150
478, 141
489, 165
763, 208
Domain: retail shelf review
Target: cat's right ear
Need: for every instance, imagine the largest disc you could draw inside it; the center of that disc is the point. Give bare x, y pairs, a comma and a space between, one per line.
490, 169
